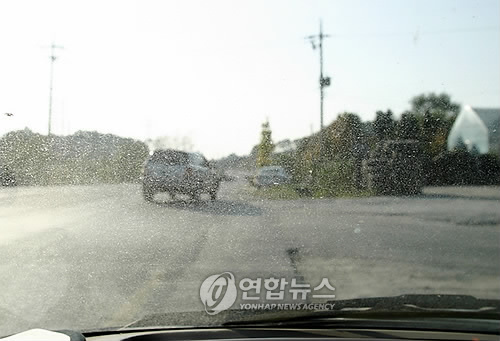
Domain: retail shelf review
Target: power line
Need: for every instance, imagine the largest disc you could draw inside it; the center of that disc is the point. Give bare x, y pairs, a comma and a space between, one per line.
408, 33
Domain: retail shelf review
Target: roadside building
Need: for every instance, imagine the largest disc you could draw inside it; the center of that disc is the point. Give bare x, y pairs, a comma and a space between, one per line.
476, 128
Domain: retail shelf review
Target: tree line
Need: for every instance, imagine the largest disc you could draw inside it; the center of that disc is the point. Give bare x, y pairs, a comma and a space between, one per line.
331, 161
82, 158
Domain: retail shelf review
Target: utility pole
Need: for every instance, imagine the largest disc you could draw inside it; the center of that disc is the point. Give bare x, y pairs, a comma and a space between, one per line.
323, 81
52, 60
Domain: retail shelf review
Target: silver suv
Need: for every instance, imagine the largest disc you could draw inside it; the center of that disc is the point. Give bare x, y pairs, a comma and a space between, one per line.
177, 172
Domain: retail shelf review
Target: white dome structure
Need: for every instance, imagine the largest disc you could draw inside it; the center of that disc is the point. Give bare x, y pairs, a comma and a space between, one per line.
469, 129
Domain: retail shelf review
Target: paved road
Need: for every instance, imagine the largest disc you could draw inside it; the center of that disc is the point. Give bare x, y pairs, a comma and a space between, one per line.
86, 256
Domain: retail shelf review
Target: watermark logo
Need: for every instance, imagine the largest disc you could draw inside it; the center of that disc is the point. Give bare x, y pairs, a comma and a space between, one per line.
218, 292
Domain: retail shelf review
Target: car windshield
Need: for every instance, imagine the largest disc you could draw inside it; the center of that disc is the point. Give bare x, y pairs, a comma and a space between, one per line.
226, 157
198, 159
171, 157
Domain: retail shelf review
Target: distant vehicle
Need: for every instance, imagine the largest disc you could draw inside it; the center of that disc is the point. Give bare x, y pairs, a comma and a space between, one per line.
7, 177
177, 172
271, 176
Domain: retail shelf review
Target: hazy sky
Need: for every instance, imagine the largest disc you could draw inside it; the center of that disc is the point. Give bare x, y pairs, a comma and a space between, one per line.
215, 70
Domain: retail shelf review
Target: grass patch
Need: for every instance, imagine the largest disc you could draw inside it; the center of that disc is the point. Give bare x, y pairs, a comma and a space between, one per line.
281, 192
353, 193
289, 192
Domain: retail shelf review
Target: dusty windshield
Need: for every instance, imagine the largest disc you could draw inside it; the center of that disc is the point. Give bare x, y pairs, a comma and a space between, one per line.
135, 136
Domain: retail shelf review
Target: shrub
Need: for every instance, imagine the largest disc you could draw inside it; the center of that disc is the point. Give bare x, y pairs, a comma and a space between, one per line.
335, 178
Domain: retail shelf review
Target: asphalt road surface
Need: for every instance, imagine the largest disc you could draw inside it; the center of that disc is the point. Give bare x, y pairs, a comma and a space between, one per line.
98, 256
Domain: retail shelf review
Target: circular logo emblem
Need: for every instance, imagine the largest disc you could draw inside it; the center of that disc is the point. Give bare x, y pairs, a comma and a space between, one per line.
218, 292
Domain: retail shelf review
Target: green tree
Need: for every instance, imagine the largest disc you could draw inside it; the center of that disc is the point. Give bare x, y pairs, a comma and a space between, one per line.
384, 125
368, 131
329, 162
435, 129
408, 127
129, 159
265, 147
82, 158
28, 155
344, 137
435, 104
436, 114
